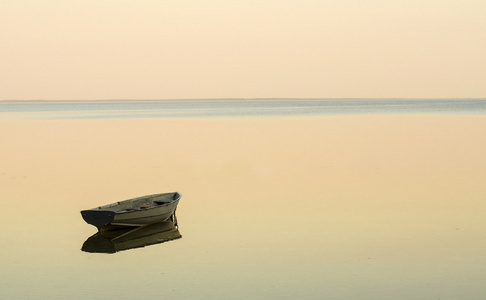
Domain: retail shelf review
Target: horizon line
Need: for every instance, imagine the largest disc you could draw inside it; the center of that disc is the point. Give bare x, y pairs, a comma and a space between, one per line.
240, 99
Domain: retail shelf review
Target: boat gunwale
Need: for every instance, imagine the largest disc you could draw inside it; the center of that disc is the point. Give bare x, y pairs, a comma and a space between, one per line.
114, 204
122, 212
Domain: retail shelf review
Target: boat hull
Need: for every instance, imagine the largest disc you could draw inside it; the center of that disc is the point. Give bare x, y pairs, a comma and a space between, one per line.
134, 212
147, 216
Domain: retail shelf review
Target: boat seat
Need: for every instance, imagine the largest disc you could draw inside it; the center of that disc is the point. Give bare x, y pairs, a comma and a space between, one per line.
128, 210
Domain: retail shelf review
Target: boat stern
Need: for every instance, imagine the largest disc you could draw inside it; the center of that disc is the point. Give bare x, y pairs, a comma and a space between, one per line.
98, 218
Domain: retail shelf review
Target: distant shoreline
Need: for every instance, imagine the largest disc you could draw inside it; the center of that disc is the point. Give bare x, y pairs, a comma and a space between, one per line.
227, 99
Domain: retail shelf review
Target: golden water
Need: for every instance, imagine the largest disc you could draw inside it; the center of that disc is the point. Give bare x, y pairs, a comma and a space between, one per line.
334, 207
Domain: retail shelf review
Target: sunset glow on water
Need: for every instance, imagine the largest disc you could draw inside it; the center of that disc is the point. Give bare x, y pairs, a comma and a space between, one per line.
346, 207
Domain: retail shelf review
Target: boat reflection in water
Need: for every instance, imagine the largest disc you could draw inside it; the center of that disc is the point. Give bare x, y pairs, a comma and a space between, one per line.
114, 238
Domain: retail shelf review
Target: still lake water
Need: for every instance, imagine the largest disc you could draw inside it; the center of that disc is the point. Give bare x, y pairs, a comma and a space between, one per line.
349, 199
234, 108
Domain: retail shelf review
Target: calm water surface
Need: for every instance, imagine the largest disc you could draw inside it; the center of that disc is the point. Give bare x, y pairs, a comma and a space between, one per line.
234, 108
327, 206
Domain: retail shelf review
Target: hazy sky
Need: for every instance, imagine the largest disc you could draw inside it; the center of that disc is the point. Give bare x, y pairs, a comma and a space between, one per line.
165, 49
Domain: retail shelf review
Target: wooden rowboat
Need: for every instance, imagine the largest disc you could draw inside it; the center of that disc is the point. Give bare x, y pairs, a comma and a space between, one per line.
134, 212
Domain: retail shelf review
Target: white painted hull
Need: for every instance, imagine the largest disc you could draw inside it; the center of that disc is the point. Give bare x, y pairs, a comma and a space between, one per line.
134, 212
146, 216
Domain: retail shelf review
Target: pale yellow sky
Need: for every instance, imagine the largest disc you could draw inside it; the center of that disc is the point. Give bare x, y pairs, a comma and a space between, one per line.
165, 49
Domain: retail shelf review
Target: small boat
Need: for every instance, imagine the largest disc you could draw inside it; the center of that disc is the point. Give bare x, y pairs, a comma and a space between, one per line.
113, 238
133, 212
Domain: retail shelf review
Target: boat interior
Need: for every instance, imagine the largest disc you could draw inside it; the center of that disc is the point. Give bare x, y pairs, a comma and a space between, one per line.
141, 203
